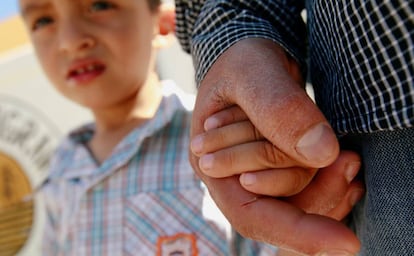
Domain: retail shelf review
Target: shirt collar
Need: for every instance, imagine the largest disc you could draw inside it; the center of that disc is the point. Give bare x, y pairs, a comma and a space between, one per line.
82, 164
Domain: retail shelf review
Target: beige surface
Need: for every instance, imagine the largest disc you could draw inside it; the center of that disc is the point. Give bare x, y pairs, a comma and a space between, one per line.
12, 34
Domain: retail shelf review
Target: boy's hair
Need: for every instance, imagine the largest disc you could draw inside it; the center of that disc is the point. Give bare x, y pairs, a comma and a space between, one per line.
153, 4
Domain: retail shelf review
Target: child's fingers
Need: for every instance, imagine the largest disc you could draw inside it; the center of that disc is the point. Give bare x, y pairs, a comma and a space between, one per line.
330, 187
225, 137
353, 195
222, 118
337, 178
254, 156
279, 182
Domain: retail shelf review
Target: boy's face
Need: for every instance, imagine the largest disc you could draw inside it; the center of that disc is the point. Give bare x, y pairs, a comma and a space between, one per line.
96, 53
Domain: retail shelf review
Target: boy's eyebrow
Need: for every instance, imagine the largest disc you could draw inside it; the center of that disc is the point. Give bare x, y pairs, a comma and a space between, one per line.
29, 8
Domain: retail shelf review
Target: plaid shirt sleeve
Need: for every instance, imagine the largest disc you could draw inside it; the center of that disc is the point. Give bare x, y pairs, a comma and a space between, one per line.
207, 28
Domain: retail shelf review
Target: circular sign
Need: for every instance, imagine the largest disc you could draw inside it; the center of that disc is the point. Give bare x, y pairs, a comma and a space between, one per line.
27, 141
16, 206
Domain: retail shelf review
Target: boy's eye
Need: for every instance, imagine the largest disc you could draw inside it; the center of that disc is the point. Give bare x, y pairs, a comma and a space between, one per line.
101, 6
41, 22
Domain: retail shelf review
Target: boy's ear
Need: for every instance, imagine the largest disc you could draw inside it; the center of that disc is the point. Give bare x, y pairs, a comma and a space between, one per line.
166, 26
167, 19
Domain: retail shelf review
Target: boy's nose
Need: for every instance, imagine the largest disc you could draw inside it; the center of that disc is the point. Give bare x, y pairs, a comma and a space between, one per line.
74, 36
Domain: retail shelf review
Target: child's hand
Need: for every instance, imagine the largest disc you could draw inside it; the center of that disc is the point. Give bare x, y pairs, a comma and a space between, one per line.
231, 145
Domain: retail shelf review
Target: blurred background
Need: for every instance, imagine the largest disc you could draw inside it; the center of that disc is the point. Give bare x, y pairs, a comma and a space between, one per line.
33, 118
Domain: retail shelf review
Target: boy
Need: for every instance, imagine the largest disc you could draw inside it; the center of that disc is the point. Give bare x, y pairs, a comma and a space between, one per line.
123, 184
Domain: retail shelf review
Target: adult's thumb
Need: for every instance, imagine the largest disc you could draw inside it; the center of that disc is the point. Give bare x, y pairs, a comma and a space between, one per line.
318, 145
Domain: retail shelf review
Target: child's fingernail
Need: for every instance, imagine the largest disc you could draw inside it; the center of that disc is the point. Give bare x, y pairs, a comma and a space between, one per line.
355, 197
197, 144
206, 162
351, 171
248, 179
318, 144
211, 123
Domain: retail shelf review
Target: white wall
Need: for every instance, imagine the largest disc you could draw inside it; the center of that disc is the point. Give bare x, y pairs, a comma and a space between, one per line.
176, 64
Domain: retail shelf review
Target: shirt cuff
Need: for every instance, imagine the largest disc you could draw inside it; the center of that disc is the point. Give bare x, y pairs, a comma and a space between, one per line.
212, 29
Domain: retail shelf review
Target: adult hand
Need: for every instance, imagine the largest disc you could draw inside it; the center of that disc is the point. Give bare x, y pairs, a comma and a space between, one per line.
256, 75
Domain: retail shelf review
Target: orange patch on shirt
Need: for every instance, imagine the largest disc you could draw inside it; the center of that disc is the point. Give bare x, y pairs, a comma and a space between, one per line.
177, 245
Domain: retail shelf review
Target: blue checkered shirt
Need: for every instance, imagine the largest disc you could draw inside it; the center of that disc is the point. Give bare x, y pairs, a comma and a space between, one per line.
361, 58
143, 200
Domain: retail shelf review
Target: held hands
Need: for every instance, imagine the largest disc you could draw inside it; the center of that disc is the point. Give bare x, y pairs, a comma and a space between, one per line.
237, 147
232, 146
256, 75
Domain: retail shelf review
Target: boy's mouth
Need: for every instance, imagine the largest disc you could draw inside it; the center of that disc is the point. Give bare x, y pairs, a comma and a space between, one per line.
85, 72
